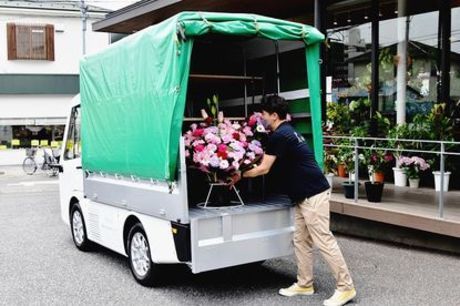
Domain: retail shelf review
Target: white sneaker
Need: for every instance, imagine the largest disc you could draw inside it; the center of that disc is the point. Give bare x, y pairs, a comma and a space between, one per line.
340, 298
296, 290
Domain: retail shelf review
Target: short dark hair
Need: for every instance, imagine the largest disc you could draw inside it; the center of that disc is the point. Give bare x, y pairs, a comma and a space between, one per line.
275, 104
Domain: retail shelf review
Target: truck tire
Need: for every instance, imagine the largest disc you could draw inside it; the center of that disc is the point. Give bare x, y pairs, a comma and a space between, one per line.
78, 229
140, 261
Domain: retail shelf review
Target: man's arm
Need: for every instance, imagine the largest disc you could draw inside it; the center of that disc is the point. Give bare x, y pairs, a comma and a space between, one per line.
263, 168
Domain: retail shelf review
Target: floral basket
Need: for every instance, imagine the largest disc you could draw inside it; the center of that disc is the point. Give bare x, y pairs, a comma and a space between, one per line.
220, 148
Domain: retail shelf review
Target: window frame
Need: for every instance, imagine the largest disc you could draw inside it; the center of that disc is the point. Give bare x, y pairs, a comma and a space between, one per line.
71, 134
13, 39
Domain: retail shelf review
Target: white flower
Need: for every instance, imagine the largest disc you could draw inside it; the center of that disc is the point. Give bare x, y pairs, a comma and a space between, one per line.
223, 164
260, 128
236, 126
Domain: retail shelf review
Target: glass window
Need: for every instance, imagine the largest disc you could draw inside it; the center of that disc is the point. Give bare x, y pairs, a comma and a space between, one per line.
349, 58
455, 55
73, 144
408, 59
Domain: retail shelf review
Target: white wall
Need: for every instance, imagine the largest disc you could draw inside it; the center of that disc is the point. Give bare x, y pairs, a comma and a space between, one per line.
34, 106
67, 44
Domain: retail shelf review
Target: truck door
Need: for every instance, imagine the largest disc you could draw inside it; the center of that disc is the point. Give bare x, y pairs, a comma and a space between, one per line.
71, 177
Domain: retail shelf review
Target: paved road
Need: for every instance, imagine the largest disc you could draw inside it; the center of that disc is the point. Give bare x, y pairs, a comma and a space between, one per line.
40, 266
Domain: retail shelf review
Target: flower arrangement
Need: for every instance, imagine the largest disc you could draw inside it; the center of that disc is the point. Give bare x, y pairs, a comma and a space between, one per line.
219, 147
412, 166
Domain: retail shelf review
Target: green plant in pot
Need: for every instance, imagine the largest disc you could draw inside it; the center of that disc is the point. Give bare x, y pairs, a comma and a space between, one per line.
400, 131
347, 157
330, 166
441, 129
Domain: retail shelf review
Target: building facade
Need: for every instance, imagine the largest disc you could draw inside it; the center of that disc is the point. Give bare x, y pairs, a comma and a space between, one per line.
39, 66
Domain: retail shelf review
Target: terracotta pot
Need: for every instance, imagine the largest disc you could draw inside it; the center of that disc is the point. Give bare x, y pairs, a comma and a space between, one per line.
379, 177
341, 170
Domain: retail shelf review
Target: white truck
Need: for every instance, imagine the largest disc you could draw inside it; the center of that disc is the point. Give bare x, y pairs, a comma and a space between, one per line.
149, 220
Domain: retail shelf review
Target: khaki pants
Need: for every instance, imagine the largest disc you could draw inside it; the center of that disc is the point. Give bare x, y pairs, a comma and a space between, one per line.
312, 228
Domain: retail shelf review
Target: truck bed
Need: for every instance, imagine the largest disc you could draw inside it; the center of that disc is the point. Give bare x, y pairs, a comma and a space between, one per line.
234, 236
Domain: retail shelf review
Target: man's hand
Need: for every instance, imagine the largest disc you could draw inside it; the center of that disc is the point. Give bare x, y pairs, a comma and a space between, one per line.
235, 178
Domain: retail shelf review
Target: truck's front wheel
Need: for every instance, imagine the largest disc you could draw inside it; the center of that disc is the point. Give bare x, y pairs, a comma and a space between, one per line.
140, 261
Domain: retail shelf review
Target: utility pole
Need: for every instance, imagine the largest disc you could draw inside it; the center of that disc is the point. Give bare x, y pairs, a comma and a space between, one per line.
84, 16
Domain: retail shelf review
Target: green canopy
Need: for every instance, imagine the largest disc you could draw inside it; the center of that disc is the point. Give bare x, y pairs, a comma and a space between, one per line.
133, 93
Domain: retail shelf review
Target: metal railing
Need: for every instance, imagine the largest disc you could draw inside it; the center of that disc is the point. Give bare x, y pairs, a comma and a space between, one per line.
442, 152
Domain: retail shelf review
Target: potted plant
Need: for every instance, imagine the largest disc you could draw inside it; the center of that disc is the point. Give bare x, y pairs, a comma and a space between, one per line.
399, 131
412, 167
377, 162
400, 175
330, 164
348, 159
442, 127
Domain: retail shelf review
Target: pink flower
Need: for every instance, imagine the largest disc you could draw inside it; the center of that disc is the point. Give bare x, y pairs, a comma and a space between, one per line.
198, 132
226, 138
211, 147
247, 131
199, 148
251, 155
222, 148
252, 121
197, 142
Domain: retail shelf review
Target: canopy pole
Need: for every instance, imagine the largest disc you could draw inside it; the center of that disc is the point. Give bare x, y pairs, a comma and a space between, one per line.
278, 90
245, 85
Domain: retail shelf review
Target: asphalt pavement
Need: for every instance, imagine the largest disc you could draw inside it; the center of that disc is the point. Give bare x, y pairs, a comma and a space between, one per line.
39, 265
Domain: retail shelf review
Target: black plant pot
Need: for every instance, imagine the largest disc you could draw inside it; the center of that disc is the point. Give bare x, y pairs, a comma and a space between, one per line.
349, 189
374, 191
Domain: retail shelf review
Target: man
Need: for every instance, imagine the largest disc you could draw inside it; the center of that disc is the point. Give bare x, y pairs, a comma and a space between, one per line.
309, 190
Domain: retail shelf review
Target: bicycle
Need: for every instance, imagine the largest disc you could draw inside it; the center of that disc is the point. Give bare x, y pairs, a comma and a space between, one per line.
30, 164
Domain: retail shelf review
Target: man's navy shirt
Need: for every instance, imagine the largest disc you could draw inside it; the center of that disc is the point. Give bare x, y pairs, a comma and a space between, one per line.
301, 176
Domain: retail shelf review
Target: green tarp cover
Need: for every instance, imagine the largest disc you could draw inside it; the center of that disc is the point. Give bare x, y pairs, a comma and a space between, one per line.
133, 93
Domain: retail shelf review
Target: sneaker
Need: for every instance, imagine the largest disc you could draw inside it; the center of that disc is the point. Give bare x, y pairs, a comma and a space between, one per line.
296, 290
340, 298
